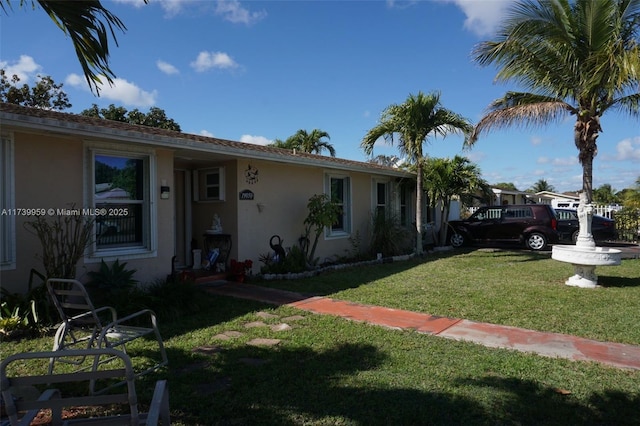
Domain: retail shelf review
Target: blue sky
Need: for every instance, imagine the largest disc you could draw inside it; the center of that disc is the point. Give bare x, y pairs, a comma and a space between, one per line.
254, 71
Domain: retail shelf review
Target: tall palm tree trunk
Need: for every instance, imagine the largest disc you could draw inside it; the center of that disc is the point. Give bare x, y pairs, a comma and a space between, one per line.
419, 195
586, 132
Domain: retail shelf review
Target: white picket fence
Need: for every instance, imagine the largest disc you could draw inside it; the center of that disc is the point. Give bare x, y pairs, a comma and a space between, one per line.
599, 210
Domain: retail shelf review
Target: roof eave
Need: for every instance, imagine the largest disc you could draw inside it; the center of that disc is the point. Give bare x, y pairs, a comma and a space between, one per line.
183, 141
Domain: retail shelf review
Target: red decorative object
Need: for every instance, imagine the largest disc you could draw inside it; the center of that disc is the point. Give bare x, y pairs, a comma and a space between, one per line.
239, 270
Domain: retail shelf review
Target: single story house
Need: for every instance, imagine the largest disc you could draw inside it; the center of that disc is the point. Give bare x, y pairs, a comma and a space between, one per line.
154, 193
508, 196
557, 200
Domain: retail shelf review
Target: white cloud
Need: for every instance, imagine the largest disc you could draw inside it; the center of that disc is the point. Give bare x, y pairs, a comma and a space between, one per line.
25, 68
256, 140
167, 68
135, 3
543, 160
171, 7
121, 91
476, 156
206, 133
208, 60
400, 4
628, 149
483, 17
74, 80
233, 11
536, 140
569, 161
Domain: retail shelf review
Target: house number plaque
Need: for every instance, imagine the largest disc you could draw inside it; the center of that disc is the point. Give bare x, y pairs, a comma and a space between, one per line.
245, 195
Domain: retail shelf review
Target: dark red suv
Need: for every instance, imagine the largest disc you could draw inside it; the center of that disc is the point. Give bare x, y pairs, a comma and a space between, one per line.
532, 225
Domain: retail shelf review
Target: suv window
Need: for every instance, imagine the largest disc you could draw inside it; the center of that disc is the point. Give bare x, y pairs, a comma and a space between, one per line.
565, 215
489, 214
518, 213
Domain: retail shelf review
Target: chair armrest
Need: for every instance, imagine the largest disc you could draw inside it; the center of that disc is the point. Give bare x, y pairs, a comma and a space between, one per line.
114, 315
122, 320
159, 408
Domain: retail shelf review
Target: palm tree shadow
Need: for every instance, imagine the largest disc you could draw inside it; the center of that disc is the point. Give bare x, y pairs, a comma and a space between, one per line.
266, 386
609, 281
531, 403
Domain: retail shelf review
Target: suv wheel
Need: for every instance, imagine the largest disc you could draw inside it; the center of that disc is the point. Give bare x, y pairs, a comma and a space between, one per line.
536, 241
457, 240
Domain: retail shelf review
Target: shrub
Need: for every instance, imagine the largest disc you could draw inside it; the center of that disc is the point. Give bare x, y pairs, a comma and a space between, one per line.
295, 261
388, 237
29, 313
63, 241
171, 299
113, 285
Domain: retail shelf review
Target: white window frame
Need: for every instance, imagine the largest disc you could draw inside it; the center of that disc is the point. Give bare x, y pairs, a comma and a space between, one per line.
7, 203
150, 225
347, 205
405, 210
387, 206
200, 188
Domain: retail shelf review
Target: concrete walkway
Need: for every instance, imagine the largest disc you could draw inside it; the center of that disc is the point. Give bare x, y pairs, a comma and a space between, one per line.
491, 335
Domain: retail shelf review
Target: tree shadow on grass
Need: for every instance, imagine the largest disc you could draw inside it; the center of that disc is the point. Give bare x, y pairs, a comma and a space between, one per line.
267, 386
219, 310
531, 403
609, 281
294, 386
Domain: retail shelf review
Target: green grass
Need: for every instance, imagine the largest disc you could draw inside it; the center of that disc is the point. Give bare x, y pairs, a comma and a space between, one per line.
517, 288
331, 371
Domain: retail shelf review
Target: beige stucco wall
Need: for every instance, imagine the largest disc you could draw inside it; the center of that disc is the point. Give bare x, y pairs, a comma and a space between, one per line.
282, 191
49, 174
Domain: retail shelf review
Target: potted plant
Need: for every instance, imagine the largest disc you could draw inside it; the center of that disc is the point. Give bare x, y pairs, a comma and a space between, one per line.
239, 270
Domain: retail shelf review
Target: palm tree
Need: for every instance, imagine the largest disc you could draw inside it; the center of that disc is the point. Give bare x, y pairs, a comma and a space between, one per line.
445, 178
310, 142
632, 196
605, 194
88, 24
577, 57
385, 160
542, 185
279, 143
413, 123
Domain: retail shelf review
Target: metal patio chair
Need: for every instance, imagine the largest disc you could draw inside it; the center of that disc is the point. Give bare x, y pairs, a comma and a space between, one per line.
27, 389
84, 327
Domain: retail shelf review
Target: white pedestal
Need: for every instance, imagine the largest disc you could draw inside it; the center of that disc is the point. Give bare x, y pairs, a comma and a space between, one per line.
584, 261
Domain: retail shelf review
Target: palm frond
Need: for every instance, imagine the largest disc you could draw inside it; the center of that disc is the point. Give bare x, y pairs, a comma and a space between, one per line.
413, 122
89, 25
520, 109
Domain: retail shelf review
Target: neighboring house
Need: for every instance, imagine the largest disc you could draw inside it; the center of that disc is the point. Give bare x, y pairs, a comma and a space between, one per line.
508, 196
556, 200
165, 187
501, 197
571, 201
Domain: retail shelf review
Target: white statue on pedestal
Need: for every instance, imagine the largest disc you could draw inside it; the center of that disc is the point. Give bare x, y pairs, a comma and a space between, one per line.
216, 224
585, 215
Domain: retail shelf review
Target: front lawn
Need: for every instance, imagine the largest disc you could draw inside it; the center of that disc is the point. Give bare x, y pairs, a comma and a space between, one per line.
517, 288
